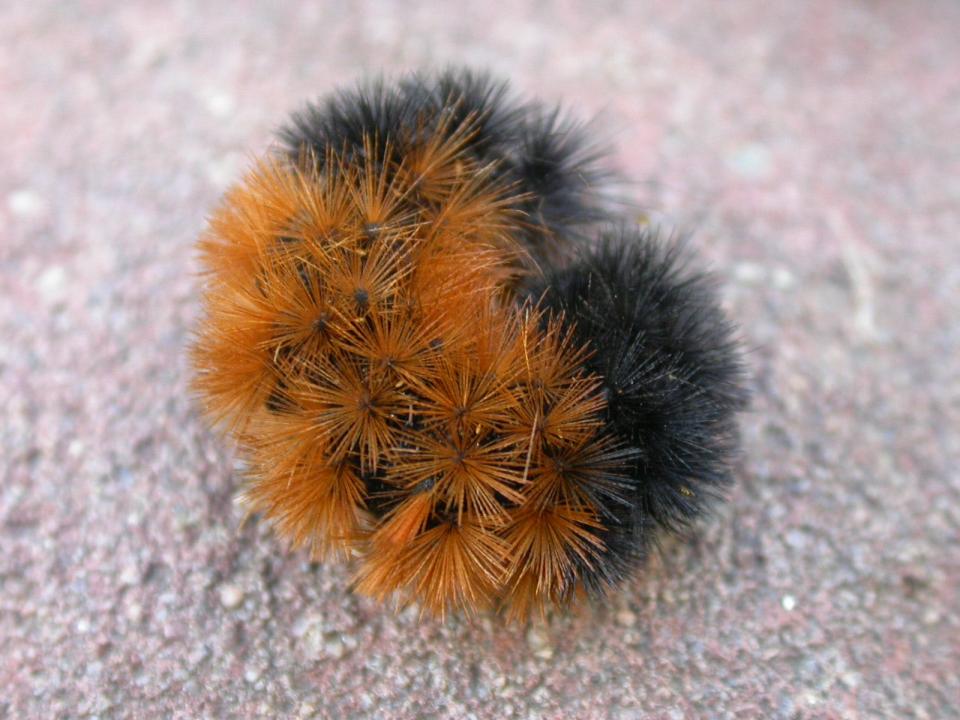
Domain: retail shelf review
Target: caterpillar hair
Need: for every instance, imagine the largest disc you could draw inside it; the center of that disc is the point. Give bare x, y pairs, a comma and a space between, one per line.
551, 171
435, 359
670, 373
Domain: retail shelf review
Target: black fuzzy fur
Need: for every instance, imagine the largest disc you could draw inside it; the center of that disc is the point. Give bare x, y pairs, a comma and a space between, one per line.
545, 159
673, 378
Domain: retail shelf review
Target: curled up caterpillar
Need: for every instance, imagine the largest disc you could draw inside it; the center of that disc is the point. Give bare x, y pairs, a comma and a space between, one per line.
443, 355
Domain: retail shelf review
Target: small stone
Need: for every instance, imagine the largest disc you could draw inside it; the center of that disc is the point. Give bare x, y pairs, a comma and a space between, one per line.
849, 679
318, 644
539, 642
230, 596
52, 283
220, 104
305, 623
313, 640
749, 273
134, 612
26, 203
751, 161
796, 539
626, 618
333, 648
222, 170
129, 576
789, 602
198, 655
783, 279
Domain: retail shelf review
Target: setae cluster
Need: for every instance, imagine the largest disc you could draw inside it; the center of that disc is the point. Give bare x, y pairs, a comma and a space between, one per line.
434, 357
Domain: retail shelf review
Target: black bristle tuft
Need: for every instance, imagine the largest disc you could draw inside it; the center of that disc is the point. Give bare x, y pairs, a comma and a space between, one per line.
563, 177
415, 107
673, 379
546, 162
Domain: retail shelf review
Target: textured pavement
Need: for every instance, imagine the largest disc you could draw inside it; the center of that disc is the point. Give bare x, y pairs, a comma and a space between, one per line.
812, 149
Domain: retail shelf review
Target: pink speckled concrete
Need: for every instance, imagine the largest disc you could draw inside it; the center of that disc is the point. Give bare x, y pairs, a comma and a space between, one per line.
813, 148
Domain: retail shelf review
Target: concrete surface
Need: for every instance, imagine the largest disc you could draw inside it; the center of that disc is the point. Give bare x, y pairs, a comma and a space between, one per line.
812, 148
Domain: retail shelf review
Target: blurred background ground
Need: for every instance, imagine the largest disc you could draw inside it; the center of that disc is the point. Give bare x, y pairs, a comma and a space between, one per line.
812, 147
